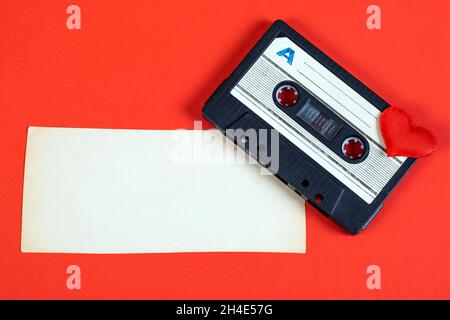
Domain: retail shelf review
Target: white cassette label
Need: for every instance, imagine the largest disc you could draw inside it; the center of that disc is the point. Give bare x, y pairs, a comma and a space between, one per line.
284, 60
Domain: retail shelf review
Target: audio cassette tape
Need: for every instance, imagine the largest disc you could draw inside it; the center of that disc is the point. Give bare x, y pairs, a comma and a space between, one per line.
325, 141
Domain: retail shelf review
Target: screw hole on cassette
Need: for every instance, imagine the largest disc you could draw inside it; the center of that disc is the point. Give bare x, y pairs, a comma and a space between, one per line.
305, 183
318, 198
286, 94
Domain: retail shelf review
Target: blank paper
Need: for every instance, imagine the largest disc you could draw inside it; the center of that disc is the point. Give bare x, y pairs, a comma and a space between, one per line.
144, 191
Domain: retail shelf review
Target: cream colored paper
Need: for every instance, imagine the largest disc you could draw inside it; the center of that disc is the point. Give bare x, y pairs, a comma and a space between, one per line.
142, 191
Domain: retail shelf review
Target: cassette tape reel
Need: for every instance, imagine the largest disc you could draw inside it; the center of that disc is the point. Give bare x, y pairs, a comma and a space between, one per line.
329, 147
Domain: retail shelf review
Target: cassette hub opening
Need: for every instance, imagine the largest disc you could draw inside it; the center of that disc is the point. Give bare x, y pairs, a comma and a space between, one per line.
353, 148
286, 95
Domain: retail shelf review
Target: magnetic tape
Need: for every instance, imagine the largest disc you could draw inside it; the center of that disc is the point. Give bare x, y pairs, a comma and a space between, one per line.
329, 147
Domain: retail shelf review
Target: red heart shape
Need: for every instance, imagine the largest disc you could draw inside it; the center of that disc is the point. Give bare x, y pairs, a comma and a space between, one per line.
402, 137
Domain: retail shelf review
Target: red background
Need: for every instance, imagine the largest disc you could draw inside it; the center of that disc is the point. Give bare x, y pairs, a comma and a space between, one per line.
151, 65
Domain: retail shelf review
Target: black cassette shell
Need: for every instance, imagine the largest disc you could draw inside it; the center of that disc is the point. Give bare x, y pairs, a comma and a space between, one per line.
320, 188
